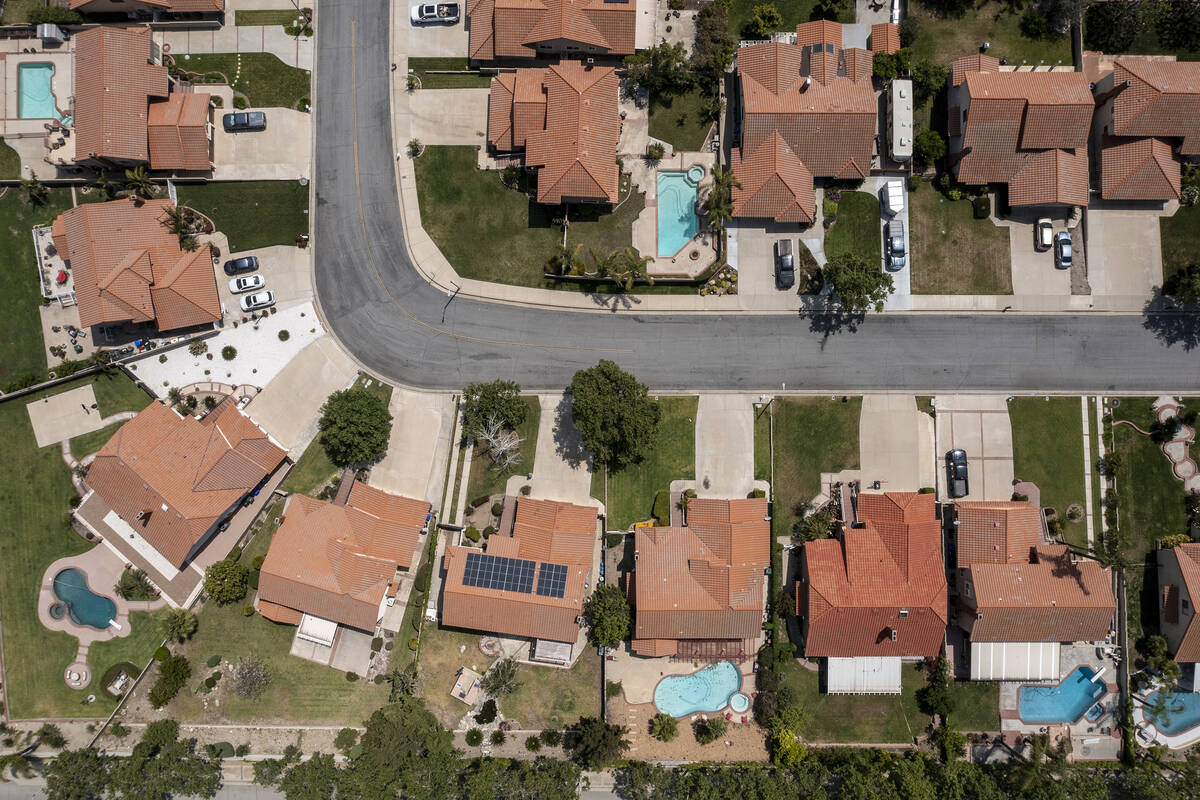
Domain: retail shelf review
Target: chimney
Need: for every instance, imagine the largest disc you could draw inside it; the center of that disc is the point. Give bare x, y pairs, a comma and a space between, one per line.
1104, 97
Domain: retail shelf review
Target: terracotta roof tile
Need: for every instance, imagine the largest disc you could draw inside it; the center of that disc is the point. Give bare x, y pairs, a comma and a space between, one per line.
820, 31
172, 6
516, 28
1188, 556
885, 37
1163, 100
1139, 169
178, 133
775, 184
996, 532
973, 63
112, 92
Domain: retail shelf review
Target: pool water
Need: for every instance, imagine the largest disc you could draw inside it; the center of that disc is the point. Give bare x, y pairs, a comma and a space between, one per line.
1065, 702
707, 690
1182, 712
36, 99
677, 220
85, 606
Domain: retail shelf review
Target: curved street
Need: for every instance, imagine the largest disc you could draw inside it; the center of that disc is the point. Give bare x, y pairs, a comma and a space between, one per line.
384, 313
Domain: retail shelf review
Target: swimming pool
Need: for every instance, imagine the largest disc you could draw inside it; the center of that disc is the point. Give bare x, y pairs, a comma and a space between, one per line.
85, 606
1065, 702
36, 99
1182, 712
677, 221
707, 690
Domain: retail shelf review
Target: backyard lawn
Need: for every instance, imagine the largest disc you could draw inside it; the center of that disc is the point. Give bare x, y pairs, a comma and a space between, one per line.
10, 162
679, 120
858, 228
552, 698
485, 479
421, 66
944, 39
1048, 450
812, 435
952, 252
837, 718
631, 491
443, 652
512, 242
89, 443
976, 705
252, 214
265, 80
1180, 239
35, 490
792, 11
1149, 496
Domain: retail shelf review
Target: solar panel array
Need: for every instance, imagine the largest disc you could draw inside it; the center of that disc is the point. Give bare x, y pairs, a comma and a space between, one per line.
552, 580
499, 572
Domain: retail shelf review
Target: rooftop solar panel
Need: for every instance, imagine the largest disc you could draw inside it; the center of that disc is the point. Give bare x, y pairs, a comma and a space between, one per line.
552, 580
499, 572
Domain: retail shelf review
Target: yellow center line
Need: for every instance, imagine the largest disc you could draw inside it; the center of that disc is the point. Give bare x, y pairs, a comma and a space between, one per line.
371, 255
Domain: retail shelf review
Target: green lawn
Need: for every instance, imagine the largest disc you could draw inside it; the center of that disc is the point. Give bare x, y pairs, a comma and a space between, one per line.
252, 214
1149, 496
1048, 450
443, 652
265, 80
10, 162
812, 435
762, 444
16, 11
858, 228
553, 698
631, 491
976, 705
792, 11
952, 252
839, 718
421, 66
512, 240
21, 343
485, 479
137, 648
89, 443
944, 39
272, 16
679, 120
1180, 239
35, 490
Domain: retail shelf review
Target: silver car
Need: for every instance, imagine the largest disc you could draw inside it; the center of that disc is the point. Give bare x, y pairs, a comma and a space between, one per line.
258, 300
247, 283
896, 247
1063, 254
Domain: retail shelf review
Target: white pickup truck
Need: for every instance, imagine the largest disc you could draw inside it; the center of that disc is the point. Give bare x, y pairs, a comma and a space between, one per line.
435, 12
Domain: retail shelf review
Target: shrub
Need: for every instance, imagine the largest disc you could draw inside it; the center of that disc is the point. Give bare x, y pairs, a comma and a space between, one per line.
198, 347
533, 744
479, 502
612, 688
758, 493
162, 359
551, 738
242, 750
346, 738
424, 573
247, 611
51, 736
210, 682
118, 730
413, 643
253, 581
1190, 195
1109, 464
487, 713
910, 29
249, 677
54, 14
284, 335
161, 654
981, 206
474, 737
240, 102
708, 731
351, 677
676, 5
829, 208
472, 533
173, 673
497, 509
414, 148
229, 352
497, 738
525, 490
225, 581
257, 562
376, 644
661, 510
1033, 24
929, 147
488, 531
655, 151
213, 661
612, 540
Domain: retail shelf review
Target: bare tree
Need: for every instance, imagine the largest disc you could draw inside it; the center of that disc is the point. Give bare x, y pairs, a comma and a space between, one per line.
503, 445
250, 677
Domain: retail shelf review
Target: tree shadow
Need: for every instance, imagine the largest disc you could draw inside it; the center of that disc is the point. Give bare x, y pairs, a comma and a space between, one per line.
828, 318
1171, 324
568, 444
615, 300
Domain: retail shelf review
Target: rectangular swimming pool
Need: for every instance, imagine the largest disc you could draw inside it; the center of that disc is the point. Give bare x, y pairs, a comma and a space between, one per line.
35, 97
677, 221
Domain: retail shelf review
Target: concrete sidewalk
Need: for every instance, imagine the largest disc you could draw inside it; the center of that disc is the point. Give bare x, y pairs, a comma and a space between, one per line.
230, 38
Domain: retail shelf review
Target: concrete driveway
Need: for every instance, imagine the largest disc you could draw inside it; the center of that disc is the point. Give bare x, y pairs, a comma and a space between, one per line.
1033, 272
1125, 250
561, 467
725, 445
755, 247
285, 269
980, 426
415, 463
281, 152
896, 444
449, 116
438, 41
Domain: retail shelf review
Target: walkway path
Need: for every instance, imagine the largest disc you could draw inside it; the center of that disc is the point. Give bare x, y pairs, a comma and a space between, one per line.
1176, 450
1089, 506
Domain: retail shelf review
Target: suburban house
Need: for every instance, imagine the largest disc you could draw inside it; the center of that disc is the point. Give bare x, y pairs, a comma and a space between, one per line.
807, 111
530, 581
335, 565
1148, 116
165, 485
1019, 597
1027, 129
699, 588
157, 10
125, 114
506, 30
128, 267
564, 119
1178, 590
875, 595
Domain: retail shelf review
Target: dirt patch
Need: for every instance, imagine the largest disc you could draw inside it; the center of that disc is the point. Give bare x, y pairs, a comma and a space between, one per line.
741, 742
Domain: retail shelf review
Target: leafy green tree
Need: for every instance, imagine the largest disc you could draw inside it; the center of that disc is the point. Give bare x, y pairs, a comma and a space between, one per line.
1183, 286
617, 420
51, 735
935, 698
314, 779
715, 43
501, 679
163, 765
406, 752
173, 674
929, 147
498, 400
346, 738
1112, 26
664, 727
662, 70
355, 427
929, 77
860, 286
82, 774
1177, 23
765, 19
226, 581
607, 615
593, 743
177, 624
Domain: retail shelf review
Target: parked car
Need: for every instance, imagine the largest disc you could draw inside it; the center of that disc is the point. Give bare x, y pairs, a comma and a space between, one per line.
236, 266
956, 473
244, 121
434, 12
1043, 234
247, 283
785, 265
896, 247
253, 302
1062, 250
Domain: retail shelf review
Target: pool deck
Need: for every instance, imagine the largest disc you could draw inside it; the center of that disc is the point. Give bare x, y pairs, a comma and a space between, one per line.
644, 175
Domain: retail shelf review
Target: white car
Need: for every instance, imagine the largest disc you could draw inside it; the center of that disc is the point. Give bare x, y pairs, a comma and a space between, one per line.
1043, 234
253, 302
434, 12
247, 283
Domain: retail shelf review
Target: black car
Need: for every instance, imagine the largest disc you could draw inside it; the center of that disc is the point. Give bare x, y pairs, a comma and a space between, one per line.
237, 266
956, 473
785, 267
244, 121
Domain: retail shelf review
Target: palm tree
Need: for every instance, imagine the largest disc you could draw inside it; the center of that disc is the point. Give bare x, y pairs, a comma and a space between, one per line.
605, 264
138, 182
175, 395
563, 261
664, 727
634, 265
34, 191
718, 206
107, 186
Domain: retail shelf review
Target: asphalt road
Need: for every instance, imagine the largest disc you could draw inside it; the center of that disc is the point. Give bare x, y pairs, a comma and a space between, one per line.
384, 313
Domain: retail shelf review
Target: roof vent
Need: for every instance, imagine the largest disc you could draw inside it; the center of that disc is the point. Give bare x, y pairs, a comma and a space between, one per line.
904, 613
807, 83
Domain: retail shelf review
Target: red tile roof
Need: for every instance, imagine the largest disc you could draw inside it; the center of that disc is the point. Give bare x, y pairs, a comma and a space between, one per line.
113, 87
1188, 556
996, 532
1162, 100
705, 580
526, 28
1139, 169
170, 6
128, 266
181, 474
774, 183
177, 129
336, 562
1052, 600
882, 579
885, 37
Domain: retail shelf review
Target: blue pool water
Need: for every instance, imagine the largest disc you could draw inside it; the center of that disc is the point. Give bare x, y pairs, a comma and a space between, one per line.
707, 690
85, 606
1182, 713
1063, 703
36, 100
677, 221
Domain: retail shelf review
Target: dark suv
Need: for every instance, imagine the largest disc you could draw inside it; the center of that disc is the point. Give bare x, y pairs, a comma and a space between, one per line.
956, 473
785, 267
244, 121
237, 266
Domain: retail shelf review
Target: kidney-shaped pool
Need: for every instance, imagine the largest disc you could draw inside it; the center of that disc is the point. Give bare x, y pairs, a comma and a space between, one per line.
707, 690
85, 606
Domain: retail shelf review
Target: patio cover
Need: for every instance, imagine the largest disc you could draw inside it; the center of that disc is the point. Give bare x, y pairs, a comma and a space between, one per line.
863, 675
556, 652
1014, 661
316, 629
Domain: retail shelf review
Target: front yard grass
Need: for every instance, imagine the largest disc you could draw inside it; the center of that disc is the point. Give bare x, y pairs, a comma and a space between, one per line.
251, 214
553, 698
1180, 239
844, 718
512, 241
680, 121
1149, 496
485, 479
268, 16
421, 66
631, 491
265, 80
944, 39
1048, 450
35, 492
952, 252
16, 11
858, 228
812, 435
